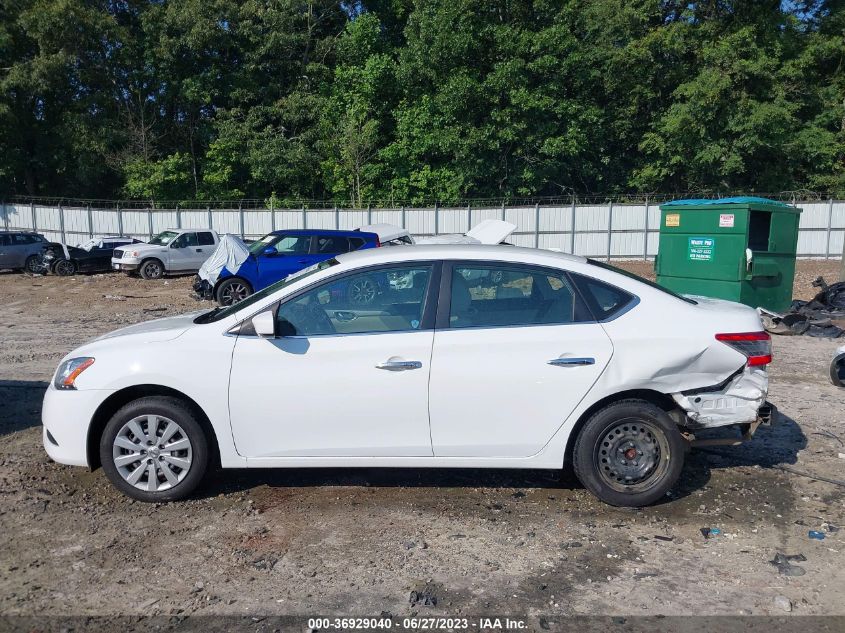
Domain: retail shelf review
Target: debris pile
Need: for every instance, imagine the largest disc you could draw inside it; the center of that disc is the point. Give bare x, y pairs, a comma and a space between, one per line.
822, 317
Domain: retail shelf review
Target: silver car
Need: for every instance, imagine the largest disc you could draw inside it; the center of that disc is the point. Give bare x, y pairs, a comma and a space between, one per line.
21, 250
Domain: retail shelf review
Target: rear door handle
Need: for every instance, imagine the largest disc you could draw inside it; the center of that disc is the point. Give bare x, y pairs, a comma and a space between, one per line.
572, 362
399, 365
199, 250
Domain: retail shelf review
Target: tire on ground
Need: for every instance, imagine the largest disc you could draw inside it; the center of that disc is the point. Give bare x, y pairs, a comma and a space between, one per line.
32, 264
230, 285
648, 426
167, 407
151, 269
64, 267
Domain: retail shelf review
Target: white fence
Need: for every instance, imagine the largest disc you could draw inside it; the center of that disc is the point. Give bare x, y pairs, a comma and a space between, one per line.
608, 231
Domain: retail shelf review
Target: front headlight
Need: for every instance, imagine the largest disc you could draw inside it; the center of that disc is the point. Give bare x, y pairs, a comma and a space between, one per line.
69, 371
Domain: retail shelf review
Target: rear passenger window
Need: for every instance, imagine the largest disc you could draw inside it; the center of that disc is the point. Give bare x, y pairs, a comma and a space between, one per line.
603, 299
356, 242
205, 238
332, 244
502, 295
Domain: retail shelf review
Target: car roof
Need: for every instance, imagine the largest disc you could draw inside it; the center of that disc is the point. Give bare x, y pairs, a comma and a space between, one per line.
336, 232
492, 252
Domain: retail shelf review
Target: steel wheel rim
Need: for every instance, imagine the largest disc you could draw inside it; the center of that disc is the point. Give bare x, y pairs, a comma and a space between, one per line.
632, 455
64, 267
233, 293
152, 453
363, 291
152, 269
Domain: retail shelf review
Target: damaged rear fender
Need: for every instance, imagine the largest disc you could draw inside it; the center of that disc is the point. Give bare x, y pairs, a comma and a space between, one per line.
735, 401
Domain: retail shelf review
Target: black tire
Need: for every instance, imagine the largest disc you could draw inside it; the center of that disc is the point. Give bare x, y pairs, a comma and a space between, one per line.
164, 409
32, 265
151, 269
629, 454
232, 290
65, 267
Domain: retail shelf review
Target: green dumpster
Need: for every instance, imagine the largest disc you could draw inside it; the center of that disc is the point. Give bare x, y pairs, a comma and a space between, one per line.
741, 249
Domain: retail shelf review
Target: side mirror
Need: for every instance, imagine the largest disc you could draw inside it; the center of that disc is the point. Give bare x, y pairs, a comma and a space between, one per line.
837, 368
265, 324
269, 251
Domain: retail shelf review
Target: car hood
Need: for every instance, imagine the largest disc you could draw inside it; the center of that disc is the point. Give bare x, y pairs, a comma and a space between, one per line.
144, 248
158, 329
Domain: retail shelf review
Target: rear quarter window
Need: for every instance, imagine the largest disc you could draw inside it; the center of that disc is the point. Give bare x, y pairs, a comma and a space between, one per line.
604, 300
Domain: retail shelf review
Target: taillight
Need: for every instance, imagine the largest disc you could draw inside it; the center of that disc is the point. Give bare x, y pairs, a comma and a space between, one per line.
378, 242
756, 346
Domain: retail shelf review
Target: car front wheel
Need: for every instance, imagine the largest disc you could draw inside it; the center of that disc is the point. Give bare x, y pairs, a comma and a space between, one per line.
629, 454
153, 449
152, 269
232, 291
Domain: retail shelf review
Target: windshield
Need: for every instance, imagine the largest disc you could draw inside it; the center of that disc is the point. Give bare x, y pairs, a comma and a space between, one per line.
257, 247
221, 313
90, 244
164, 238
640, 279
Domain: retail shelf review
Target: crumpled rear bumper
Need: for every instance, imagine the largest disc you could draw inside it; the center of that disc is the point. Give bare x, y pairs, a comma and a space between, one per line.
736, 401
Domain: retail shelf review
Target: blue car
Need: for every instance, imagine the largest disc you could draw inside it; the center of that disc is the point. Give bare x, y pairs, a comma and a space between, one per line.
277, 255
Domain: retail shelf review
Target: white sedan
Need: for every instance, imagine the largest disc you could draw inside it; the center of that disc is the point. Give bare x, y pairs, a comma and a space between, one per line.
494, 356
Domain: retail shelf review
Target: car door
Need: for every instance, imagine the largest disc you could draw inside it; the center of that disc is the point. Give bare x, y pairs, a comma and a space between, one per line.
6, 251
337, 380
515, 351
204, 248
21, 247
283, 256
182, 253
98, 258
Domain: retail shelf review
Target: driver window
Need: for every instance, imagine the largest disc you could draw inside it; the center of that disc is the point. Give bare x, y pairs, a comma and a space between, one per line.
293, 244
378, 300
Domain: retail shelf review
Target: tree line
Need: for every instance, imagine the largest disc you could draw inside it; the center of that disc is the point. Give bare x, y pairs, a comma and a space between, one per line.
419, 100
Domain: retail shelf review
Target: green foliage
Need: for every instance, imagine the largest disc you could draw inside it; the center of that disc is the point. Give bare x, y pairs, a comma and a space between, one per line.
410, 101
163, 179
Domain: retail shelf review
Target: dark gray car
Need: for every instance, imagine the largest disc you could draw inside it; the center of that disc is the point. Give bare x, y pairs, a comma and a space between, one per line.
21, 250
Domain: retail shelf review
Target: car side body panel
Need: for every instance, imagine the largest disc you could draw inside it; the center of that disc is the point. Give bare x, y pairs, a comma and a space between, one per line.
662, 344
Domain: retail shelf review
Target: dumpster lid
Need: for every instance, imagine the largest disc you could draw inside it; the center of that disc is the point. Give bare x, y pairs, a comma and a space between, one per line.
733, 200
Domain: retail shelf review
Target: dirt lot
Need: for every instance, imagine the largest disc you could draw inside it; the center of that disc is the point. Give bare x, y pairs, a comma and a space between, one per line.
358, 542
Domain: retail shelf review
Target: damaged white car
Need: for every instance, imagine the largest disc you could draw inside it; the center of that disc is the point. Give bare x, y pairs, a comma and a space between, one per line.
478, 356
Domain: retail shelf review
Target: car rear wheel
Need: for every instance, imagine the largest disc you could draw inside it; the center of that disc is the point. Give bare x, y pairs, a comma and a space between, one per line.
232, 291
33, 265
64, 268
152, 269
153, 449
629, 454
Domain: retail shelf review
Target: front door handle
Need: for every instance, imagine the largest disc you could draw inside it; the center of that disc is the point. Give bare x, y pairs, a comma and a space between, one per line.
199, 250
572, 362
399, 365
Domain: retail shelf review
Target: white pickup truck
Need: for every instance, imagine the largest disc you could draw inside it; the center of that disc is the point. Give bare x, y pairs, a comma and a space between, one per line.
171, 251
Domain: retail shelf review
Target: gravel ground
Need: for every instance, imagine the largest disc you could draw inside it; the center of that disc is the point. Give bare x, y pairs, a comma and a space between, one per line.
359, 542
